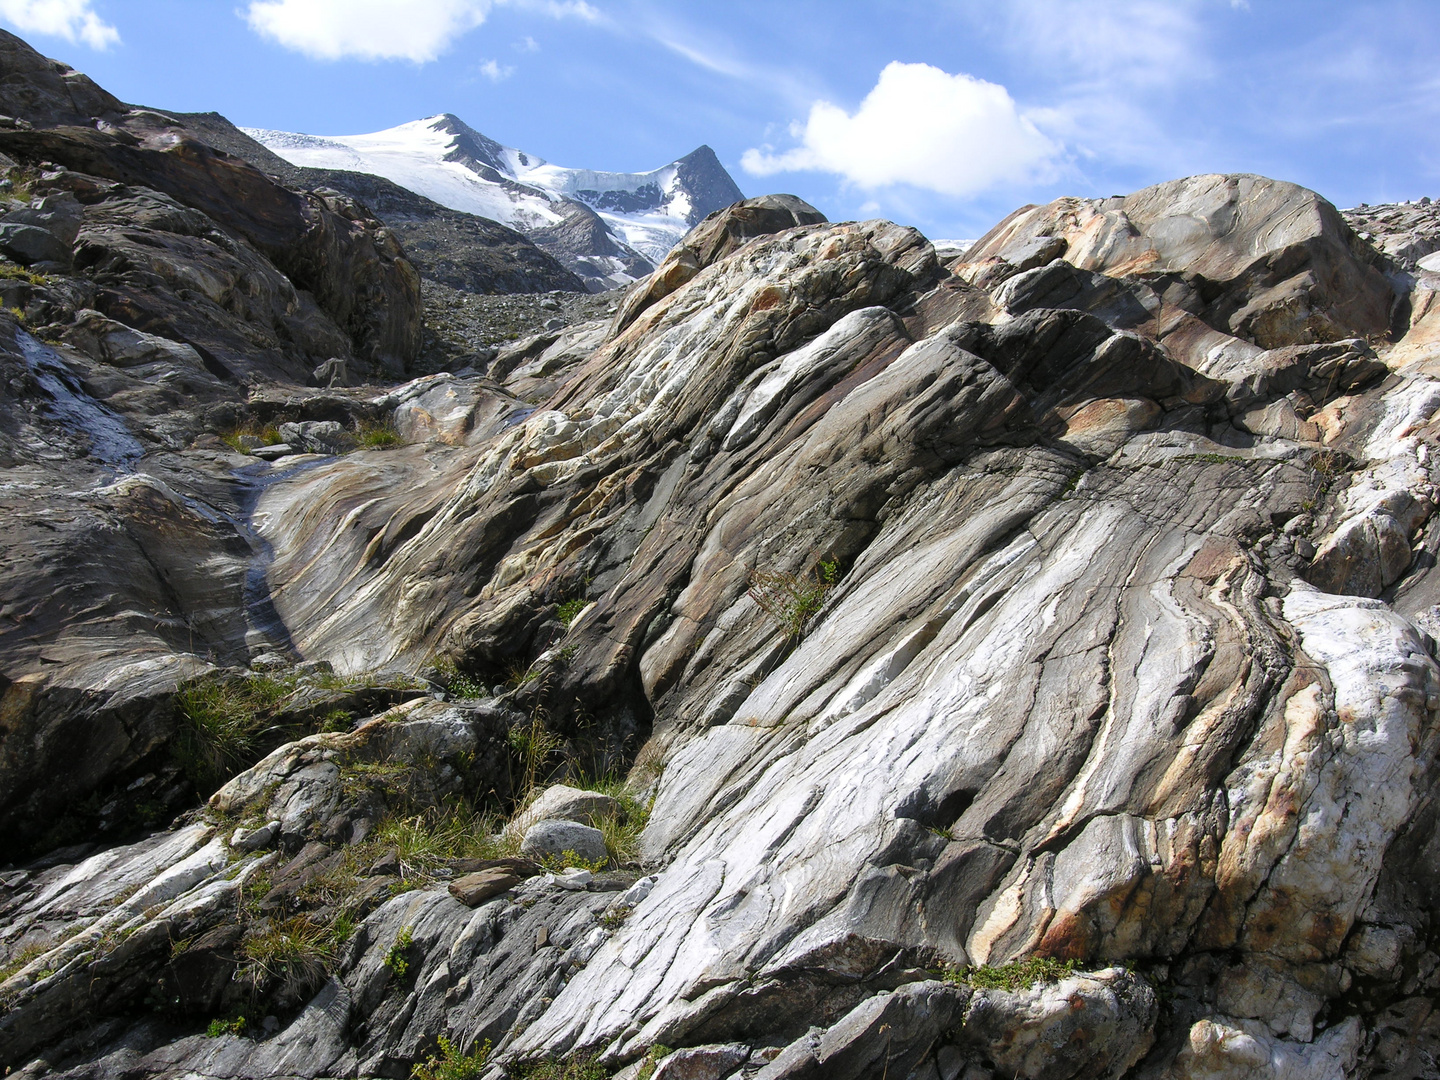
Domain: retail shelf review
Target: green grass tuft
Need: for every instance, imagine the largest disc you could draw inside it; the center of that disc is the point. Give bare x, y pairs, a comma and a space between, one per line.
269, 435
532, 743
233, 1026
19, 273
570, 610
298, 952
224, 724
576, 1067
377, 436
791, 600
451, 1064
1017, 975
21, 959
622, 828
653, 1057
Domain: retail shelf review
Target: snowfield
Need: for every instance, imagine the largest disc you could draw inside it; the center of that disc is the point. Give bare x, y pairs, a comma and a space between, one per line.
444, 159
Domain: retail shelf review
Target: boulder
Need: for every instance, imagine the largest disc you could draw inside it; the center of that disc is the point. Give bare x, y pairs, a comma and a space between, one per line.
316, 436
558, 838
1095, 1026
1278, 264
30, 244
711, 1062
115, 343
473, 889
562, 803
335, 372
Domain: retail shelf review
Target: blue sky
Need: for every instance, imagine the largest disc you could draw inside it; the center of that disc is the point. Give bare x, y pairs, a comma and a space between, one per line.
944, 114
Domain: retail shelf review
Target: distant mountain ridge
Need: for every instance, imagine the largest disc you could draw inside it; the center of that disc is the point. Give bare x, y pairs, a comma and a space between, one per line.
608, 227
459, 250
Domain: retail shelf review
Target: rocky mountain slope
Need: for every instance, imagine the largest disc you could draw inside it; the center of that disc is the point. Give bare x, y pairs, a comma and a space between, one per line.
1014, 665
608, 227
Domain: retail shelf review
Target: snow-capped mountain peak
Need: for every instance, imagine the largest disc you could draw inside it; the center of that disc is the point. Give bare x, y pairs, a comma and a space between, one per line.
441, 157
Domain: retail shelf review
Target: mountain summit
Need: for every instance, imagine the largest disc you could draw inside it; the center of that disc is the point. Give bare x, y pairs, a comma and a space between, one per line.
609, 227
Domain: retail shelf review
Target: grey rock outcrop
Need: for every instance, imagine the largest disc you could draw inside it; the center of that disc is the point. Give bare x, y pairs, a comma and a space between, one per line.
1030, 659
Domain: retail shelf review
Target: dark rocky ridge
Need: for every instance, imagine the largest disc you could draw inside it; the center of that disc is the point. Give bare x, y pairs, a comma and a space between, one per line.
1074, 600
355, 272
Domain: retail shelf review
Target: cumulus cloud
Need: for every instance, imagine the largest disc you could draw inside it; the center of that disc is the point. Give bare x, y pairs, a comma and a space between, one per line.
952, 134
417, 30
73, 20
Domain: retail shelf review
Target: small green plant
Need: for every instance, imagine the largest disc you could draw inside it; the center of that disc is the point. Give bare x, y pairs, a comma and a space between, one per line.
1017, 975
653, 1057
791, 600
1072, 483
457, 683
255, 889
336, 720
218, 1028
19, 273
23, 179
451, 1064
398, 959
570, 610
517, 675
1328, 465
567, 859
370, 435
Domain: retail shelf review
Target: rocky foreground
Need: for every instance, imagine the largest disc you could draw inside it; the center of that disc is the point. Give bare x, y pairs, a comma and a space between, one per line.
1019, 665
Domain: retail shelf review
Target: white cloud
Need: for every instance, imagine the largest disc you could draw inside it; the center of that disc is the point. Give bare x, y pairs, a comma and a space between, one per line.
494, 71
952, 134
73, 20
417, 30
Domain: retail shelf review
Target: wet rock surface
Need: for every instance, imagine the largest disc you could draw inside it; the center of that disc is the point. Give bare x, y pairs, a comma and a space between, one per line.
1021, 665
